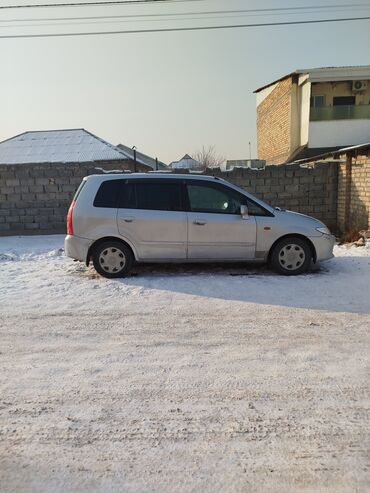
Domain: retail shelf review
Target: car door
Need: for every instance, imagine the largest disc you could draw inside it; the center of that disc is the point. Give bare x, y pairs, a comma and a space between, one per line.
216, 229
151, 216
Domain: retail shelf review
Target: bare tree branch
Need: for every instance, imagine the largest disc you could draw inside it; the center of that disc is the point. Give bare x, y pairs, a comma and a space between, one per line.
208, 157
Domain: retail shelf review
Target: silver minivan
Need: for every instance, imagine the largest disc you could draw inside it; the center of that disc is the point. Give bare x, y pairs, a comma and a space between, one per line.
117, 219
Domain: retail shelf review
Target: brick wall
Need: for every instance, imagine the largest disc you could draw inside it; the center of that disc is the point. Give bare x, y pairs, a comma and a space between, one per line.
34, 198
274, 124
354, 193
341, 208
360, 192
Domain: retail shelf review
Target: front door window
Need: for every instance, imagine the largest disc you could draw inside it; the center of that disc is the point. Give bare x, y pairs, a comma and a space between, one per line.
203, 198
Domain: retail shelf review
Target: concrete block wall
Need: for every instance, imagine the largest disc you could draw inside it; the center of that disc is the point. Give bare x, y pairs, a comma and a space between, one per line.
309, 190
34, 198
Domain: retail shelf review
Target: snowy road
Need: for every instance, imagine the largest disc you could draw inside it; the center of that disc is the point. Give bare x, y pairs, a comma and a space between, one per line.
182, 379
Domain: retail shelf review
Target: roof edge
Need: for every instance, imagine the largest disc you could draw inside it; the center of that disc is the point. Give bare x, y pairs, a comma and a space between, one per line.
296, 72
315, 71
343, 150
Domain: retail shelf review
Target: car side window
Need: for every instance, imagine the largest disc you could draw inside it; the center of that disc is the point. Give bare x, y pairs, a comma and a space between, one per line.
205, 198
255, 209
159, 196
127, 196
151, 196
107, 194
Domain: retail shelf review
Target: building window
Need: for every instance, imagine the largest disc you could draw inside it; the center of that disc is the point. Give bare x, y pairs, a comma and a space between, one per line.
344, 101
317, 101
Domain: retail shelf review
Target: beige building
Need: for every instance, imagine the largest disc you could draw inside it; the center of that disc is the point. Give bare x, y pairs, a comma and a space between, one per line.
310, 112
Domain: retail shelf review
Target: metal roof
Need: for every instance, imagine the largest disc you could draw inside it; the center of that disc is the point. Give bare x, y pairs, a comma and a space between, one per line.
343, 150
186, 162
143, 158
58, 146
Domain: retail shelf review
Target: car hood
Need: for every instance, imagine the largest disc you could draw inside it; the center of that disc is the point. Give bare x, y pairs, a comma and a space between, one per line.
292, 217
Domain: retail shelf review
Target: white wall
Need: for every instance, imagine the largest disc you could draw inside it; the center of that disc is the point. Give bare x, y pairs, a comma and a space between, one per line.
305, 112
339, 133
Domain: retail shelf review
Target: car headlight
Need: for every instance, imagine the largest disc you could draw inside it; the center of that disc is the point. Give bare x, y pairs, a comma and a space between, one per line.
324, 230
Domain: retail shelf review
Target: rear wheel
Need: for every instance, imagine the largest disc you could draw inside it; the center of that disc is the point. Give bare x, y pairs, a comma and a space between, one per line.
112, 259
291, 256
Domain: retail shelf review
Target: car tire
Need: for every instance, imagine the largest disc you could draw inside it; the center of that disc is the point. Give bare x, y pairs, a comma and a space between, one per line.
112, 259
291, 256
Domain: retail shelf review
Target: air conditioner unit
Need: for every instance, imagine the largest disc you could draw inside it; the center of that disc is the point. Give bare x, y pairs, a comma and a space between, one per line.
359, 85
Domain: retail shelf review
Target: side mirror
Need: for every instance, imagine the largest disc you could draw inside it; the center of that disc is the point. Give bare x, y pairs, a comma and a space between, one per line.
244, 212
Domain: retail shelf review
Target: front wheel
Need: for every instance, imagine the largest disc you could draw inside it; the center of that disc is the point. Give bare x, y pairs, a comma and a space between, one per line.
291, 256
112, 259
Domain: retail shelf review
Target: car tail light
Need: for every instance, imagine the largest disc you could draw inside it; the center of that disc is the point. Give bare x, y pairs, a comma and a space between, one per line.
69, 218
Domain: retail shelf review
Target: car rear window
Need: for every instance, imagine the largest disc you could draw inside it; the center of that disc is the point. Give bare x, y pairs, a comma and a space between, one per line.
107, 194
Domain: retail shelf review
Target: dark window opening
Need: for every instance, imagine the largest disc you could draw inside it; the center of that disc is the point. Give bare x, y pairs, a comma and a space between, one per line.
127, 196
107, 194
344, 101
256, 210
151, 196
158, 196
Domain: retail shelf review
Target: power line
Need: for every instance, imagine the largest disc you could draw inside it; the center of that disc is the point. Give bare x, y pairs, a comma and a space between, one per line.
175, 29
92, 4
319, 8
123, 19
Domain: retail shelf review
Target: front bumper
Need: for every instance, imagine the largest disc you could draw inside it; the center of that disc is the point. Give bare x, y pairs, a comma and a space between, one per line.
324, 246
76, 247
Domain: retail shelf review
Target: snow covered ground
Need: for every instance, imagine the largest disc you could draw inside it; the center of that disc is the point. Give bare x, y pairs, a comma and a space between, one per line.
182, 378
37, 266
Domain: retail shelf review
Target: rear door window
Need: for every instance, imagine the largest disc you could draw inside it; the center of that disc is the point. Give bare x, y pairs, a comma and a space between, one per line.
159, 196
127, 196
156, 196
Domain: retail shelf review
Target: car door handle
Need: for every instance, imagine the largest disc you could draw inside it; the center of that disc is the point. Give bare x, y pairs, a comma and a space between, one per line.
128, 219
199, 223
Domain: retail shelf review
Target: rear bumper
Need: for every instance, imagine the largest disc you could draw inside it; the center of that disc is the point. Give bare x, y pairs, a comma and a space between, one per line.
324, 246
76, 247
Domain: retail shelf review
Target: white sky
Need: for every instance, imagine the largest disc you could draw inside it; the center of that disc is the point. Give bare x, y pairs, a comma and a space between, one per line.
166, 93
